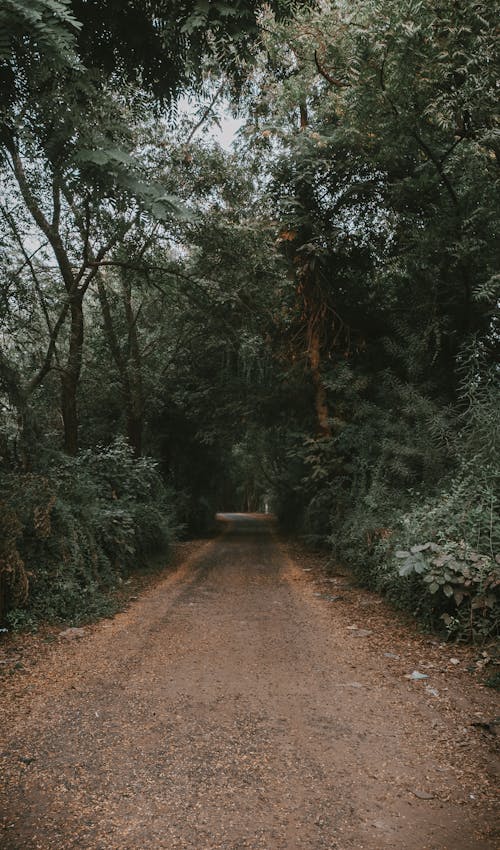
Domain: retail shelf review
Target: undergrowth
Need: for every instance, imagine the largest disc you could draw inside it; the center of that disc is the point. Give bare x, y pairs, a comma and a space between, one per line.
72, 531
410, 503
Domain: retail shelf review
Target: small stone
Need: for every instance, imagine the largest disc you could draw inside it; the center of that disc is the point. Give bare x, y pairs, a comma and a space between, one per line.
422, 795
72, 633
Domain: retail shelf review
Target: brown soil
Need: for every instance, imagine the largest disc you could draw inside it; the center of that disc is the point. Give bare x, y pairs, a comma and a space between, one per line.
235, 705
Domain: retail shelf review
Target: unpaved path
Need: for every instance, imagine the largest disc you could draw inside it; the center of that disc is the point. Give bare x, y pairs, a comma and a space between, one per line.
232, 707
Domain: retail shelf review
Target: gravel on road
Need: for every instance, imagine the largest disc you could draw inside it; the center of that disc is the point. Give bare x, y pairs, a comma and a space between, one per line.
247, 701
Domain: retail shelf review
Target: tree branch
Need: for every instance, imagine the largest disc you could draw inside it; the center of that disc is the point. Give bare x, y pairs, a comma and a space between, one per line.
51, 232
424, 147
438, 165
109, 327
28, 262
333, 81
56, 202
47, 362
451, 149
205, 114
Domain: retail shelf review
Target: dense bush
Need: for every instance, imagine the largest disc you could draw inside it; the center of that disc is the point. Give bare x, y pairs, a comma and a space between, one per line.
71, 532
384, 187
410, 503
309, 322
443, 558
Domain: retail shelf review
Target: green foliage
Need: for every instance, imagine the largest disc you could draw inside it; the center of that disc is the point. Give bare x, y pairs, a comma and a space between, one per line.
384, 194
50, 24
164, 46
458, 564
78, 528
465, 586
311, 323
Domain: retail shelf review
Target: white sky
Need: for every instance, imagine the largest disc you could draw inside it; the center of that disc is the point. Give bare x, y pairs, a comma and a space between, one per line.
229, 126
227, 132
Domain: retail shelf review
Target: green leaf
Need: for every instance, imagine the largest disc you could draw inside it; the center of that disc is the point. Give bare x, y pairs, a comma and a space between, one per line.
441, 560
226, 10
106, 156
406, 569
420, 548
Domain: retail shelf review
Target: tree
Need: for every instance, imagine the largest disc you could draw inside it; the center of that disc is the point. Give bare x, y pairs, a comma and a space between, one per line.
377, 123
163, 46
74, 212
312, 320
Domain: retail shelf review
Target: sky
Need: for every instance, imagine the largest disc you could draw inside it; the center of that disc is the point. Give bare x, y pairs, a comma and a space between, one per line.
229, 126
226, 134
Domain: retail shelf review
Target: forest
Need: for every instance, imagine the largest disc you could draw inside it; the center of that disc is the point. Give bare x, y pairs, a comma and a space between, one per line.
305, 321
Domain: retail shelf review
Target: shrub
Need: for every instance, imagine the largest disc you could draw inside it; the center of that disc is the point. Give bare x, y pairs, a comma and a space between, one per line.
71, 533
453, 575
410, 502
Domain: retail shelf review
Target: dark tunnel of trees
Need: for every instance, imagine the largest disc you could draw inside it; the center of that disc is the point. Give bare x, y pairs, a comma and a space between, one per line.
304, 322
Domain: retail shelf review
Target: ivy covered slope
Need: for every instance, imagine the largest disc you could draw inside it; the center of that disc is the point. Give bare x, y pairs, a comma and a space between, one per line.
308, 322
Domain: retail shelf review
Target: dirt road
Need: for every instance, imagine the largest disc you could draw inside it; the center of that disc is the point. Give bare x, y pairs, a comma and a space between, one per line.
241, 705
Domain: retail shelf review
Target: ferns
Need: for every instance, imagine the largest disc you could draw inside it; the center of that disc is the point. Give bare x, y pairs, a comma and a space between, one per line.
48, 23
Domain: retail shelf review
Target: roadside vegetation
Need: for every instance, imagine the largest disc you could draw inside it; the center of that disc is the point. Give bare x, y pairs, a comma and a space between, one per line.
307, 321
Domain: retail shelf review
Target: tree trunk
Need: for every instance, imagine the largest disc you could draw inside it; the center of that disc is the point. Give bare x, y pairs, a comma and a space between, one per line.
320, 401
128, 363
313, 301
71, 377
134, 430
135, 397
